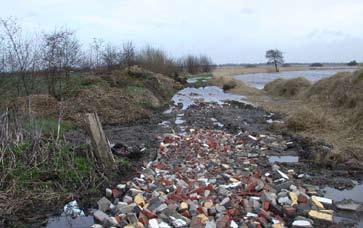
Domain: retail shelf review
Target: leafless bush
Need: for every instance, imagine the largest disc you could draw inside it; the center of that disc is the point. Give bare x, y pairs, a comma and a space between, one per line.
19, 54
61, 53
195, 65
55, 54
128, 54
111, 56
158, 61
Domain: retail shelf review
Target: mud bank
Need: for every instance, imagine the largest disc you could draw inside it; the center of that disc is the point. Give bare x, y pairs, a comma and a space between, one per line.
211, 109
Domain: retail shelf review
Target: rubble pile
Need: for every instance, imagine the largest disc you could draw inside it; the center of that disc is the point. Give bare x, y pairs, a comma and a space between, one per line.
209, 178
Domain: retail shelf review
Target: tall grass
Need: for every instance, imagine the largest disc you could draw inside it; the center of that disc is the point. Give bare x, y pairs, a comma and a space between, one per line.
38, 165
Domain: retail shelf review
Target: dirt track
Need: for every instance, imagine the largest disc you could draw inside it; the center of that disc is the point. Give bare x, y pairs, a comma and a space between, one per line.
235, 117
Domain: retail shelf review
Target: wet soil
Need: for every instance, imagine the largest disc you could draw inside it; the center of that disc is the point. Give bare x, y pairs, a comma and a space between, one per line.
201, 108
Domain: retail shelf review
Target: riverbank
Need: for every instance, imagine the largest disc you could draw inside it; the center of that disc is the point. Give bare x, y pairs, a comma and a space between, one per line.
322, 110
224, 71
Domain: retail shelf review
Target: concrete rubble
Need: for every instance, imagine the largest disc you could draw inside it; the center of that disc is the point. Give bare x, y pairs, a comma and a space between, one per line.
210, 178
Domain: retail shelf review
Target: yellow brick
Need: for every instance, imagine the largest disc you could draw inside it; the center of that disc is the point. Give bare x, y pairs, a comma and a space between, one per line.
293, 198
277, 225
203, 219
321, 216
139, 200
317, 203
183, 206
208, 204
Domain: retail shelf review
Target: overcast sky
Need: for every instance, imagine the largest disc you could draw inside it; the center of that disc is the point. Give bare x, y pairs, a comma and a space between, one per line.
230, 31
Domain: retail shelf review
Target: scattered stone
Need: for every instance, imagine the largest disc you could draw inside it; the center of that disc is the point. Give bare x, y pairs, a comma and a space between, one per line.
101, 216
103, 204
301, 223
209, 178
108, 192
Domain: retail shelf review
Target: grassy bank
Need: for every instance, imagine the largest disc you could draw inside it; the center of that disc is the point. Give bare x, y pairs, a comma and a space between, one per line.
119, 96
330, 109
39, 169
251, 69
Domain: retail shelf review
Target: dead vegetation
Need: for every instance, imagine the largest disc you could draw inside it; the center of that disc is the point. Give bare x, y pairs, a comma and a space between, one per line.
120, 97
232, 85
39, 169
331, 108
287, 87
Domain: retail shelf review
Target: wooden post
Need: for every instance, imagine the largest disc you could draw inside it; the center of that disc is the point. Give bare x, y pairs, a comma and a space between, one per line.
101, 149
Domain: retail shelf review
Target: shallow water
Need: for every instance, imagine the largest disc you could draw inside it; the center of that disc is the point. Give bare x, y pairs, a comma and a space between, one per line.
190, 96
259, 80
66, 221
287, 159
355, 193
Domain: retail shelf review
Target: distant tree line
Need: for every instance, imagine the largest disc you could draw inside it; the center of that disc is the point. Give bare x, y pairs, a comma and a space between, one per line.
57, 53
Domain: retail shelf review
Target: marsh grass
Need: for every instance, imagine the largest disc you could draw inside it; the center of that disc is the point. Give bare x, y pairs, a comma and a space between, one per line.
38, 166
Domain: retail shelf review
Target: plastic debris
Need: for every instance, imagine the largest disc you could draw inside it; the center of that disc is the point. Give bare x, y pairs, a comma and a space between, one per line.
72, 209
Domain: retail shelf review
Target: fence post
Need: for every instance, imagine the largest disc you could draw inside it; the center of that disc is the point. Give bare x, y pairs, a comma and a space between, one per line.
101, 149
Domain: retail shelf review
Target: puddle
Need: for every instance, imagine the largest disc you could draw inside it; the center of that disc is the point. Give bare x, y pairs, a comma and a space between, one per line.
354, 194
69, 222
213, 94
287, 159
179, 120
348, 218
339, 195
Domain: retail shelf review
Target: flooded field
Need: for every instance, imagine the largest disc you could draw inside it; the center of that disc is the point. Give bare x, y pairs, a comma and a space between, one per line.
259, 80
211, 94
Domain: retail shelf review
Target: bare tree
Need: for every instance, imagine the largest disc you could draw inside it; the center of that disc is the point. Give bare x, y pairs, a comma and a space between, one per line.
192, 64
111, 56
21, 54
128, 54
2, 54
275, 57
205, 64
96, 52
61, 53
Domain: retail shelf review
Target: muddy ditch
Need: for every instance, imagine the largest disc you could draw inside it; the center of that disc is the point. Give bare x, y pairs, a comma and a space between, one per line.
210, 109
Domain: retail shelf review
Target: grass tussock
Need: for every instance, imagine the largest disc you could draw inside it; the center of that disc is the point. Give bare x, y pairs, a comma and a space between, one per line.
235, 86
287, 87
120, 96
331, 109
307, 118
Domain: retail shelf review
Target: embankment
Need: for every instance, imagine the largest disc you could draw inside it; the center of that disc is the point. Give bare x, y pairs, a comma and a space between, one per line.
330, 109
42, 168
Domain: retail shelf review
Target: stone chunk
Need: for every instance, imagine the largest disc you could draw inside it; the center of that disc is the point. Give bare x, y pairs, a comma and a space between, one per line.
103, 204
320, 216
